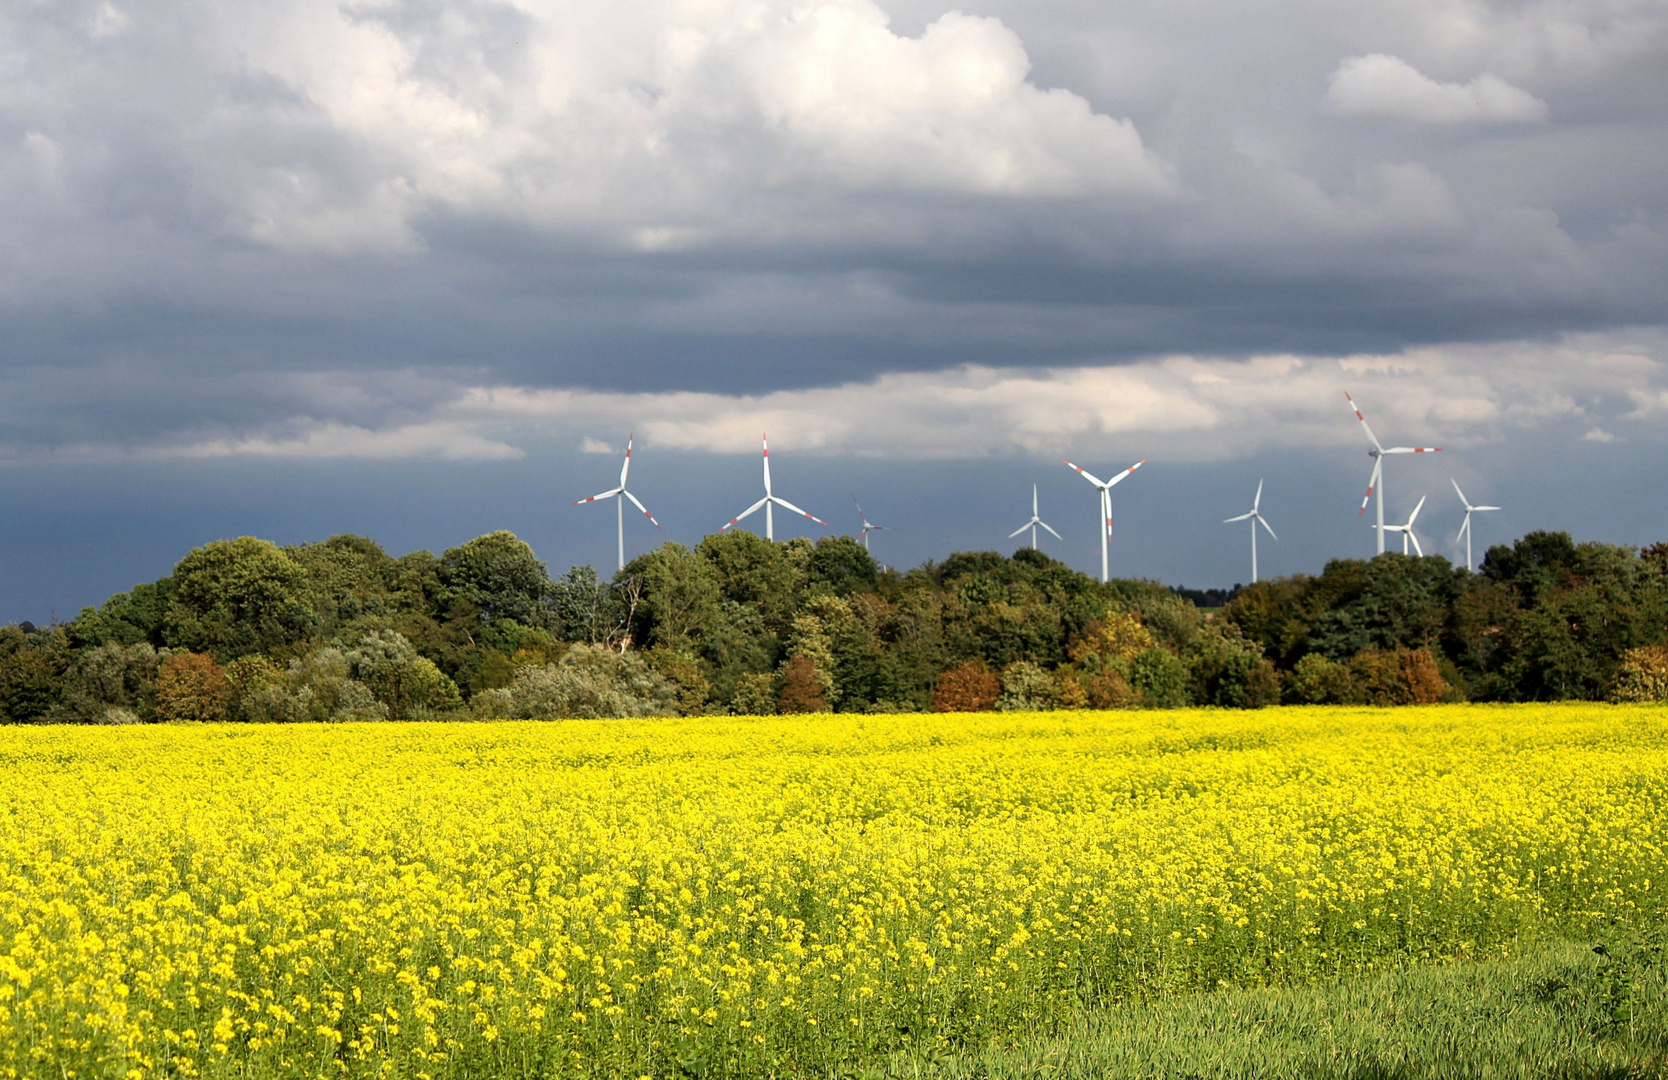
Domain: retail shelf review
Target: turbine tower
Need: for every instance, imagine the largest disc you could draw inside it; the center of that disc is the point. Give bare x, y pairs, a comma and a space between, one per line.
770, 501
619, 495
1376, 480
1255, 516
868, 526
1106, 487
1465, 530
1034, 522
1407, 529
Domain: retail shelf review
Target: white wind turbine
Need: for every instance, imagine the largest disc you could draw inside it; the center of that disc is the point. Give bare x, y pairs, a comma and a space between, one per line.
770, 500
1376, 481
1465, 530
1255, 516
619, 495
1407, 529
868, 526
1106, 487
1034, 522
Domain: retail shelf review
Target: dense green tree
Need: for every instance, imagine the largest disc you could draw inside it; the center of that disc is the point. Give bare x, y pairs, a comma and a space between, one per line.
493, 577
673, 597
754, 571
353, 586
1531, 566
587, 610
33, 667
234, 597
840, 566
1393, 601
126, 618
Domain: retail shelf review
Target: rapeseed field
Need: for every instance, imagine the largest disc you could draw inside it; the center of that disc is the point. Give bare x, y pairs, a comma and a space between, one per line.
772, 896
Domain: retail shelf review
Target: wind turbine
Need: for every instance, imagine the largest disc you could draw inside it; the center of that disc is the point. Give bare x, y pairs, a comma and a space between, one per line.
1376, 481
1106, 487
1407, 530
770, 500
1255, 516
1034, 522
1465, 530
619, 495
868, 526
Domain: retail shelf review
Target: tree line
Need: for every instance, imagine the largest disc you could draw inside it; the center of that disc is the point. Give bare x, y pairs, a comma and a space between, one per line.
247, 630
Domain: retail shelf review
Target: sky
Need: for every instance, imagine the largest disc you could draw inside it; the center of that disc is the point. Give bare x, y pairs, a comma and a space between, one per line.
416, 269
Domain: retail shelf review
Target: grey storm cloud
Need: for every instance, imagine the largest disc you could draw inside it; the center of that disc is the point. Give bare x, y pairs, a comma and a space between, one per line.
310, 230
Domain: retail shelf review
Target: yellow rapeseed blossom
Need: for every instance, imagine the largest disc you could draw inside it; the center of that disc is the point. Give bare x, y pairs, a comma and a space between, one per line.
737, 896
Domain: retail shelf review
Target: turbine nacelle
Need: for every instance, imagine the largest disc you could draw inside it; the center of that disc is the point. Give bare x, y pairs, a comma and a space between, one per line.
770, 501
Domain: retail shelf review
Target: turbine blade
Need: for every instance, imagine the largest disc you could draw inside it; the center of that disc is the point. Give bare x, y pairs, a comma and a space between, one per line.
1019, 530
1479, 509
1258, 499
625, 468
609, 494
1087, 475
745, 512
1242, 517
1463, 500
641, 507
1356, 409
1372, 482
1464, 528
764, 441
1117, 479
1050, 529
1413, 516
1264, 523
1411, 535
786, 505
1414, 450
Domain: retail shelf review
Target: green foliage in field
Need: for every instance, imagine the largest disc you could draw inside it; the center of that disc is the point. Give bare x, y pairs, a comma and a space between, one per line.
1597, 1008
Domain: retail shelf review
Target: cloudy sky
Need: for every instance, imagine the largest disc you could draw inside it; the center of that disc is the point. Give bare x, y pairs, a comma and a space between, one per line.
414, 269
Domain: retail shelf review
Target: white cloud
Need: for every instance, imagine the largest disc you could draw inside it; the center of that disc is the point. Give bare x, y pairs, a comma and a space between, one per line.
588, 445
651, 119
1389, 87
1599, 435
1181, 407
312, 440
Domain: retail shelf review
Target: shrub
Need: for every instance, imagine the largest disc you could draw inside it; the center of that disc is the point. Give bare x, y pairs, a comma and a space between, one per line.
802, 687
1027, 687
590, 682
1397, 677
1118, 637
1642, 675
1159, 678
755, 695
191, 688
1318, 680
969, 687
683, 671
405, 683
109, 676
